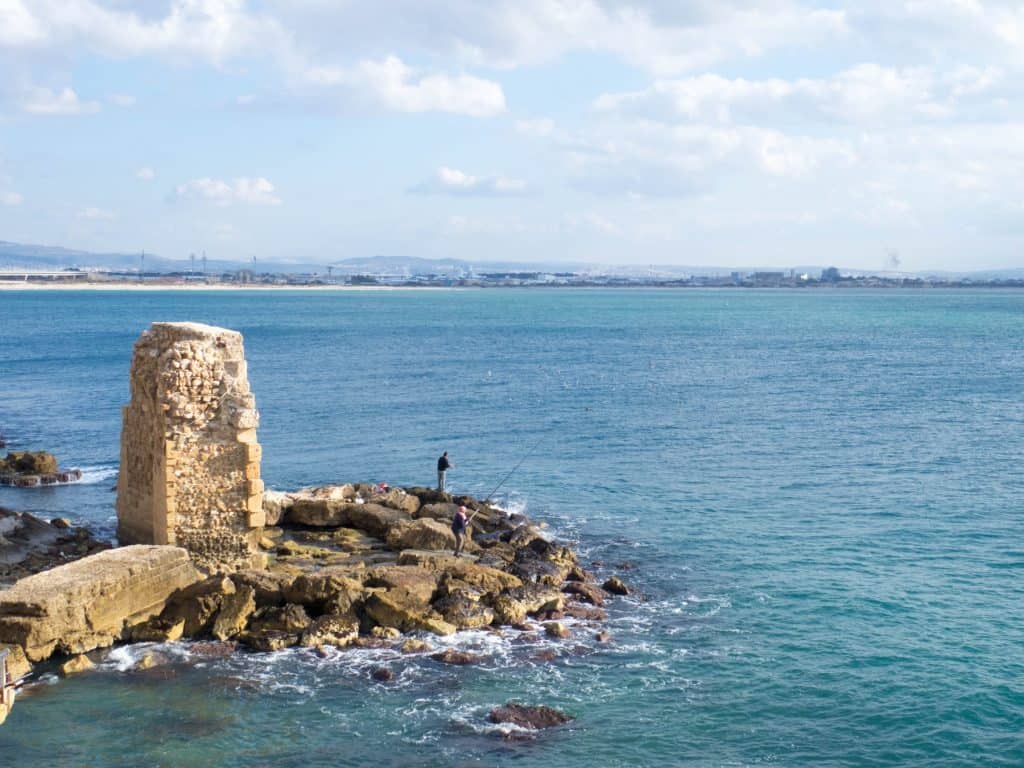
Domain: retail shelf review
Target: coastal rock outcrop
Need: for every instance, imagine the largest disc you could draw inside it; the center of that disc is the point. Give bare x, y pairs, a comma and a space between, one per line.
529, 717
93, 602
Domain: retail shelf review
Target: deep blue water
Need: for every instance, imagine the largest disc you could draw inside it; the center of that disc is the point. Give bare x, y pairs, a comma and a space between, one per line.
821, 493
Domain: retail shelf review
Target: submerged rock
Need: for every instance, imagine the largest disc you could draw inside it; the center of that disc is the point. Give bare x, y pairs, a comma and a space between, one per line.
615, 586
456, 657
529, 717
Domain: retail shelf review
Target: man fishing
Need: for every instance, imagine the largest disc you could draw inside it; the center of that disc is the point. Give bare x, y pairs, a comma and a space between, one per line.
459, 525
443, 465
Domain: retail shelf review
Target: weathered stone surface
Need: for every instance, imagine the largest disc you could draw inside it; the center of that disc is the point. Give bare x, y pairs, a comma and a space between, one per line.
268, 640
393, 609
513, 605
234, 613
414, 645
275, 506
615, 586
464, 612
76, 665
556, 629
290, 618
331, 629
269, 586
443, 511
429, 495
18, 665
198, 604
159, 631
469, 573
326, 590
456, 657
91, 602
590, 593
29, 545
29, 463
419, 584
319, 512
397, 498
375, 519
421, 534
529, 717
190, 463
382, 675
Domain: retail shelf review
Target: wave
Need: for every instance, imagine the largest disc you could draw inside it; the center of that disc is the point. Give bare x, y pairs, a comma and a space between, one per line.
100, 473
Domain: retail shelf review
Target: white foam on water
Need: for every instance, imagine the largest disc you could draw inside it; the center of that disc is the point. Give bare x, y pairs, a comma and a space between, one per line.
94, 475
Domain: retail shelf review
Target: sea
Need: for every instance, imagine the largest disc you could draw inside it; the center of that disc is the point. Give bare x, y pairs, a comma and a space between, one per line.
816, 495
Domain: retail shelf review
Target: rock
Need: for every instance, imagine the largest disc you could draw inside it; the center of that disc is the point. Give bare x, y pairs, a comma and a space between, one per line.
603, 637
443, 511
92, 602
275, 506
588, 592
556, 629
268, 640
269, 586
529, 567
267, 543
375, 519
579, 611
486, 578
234, 613
331, 629
210, 650
322, 513
150, 660
396, 498
546, 655
393, 609
615, 586
418, 583
421, 534
29, 463
288, 619
459, 658
529, 717
198, 604
385, 633
382, 675
625, 566
18, 665
76, 664
328, 591
413, 645
159, 630
61, 522
513, 605
464, 612
429, 495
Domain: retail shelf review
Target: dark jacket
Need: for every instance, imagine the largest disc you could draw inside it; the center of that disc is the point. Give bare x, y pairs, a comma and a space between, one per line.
459, 522
443, 464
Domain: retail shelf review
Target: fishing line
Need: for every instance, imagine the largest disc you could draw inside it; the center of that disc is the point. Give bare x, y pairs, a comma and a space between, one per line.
506, 477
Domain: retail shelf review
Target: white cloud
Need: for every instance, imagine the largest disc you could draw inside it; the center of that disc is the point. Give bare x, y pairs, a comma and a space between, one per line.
11, 198
145, 174
43, 101
393, 85
254, 191
96, 214
449, 181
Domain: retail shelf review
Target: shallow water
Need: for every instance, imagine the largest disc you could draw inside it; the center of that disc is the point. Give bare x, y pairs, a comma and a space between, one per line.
820, 492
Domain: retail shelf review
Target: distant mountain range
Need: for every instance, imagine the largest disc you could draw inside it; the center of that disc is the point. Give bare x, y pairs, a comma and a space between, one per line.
46, 257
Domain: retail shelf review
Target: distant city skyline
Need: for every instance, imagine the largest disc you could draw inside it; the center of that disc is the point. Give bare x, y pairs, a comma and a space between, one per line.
729, 133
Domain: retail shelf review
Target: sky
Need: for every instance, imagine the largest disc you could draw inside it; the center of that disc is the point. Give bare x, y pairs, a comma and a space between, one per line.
878, 134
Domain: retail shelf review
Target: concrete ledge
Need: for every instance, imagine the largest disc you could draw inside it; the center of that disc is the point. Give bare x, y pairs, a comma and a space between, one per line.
90, 603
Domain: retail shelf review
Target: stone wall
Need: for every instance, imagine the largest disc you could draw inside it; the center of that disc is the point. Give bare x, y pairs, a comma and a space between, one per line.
91, 602
190, 463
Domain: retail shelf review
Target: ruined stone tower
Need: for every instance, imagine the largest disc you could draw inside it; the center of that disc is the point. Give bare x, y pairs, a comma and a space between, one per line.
190, 463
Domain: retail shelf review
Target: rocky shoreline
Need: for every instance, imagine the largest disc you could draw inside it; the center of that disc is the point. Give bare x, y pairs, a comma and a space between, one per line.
352, 565
26, 469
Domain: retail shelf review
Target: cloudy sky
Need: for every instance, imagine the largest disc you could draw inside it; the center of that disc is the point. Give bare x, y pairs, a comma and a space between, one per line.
701, 132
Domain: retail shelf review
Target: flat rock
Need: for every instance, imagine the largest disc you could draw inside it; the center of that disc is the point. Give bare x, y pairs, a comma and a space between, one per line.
529, 717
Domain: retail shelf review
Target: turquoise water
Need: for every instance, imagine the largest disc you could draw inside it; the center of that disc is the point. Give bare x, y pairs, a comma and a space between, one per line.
820, 491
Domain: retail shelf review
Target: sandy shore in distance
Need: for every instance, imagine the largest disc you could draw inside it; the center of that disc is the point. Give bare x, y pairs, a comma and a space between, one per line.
32, 286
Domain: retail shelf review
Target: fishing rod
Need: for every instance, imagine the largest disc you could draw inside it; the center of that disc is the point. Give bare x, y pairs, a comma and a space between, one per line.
506, 477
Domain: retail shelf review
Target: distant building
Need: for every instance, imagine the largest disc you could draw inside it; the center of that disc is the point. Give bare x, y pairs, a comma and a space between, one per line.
830, 275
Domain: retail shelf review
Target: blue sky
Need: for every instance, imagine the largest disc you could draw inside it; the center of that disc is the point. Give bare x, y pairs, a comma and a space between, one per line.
716, 132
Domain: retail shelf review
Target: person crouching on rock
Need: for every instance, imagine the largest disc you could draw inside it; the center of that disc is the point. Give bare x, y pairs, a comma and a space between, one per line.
459, 523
